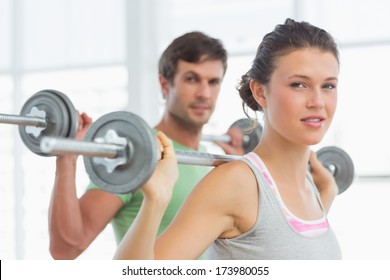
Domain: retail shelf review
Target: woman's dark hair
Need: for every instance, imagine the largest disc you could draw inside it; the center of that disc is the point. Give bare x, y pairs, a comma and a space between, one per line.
286, 38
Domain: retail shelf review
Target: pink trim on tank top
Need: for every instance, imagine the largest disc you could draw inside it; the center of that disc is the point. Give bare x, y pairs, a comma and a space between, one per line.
303, 227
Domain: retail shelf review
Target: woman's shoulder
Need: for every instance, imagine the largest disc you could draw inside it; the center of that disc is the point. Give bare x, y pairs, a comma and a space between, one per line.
231, 169
233, 187
233, 177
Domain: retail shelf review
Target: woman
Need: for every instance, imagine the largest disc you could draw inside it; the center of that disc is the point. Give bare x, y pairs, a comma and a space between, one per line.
265, 206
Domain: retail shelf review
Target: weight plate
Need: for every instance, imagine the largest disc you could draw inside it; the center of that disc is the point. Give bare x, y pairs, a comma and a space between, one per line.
252, 130
72, 113
344, 171
60, 118
144, 156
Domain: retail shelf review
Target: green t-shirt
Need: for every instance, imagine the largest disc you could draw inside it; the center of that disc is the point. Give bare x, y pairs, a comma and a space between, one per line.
189, 176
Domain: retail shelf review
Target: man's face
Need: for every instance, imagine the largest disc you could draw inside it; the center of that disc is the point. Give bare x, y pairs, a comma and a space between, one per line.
192, 97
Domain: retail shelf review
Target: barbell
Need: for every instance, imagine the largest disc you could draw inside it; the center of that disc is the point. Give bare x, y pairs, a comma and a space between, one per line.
46, 113
51, 113
250, 129
120, 153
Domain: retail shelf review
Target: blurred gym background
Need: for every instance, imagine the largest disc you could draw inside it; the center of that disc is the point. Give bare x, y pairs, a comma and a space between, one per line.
103, 54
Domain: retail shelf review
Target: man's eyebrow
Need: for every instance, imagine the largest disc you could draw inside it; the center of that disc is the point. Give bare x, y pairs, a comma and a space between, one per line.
191, 72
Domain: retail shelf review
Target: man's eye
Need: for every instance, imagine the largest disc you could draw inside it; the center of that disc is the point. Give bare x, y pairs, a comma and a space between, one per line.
190, 79
215, 82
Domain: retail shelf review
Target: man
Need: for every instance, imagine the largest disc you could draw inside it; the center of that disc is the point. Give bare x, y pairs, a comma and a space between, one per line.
191, 70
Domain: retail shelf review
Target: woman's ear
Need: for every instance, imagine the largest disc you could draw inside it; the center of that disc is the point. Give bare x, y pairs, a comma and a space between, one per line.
164, 84
258, 92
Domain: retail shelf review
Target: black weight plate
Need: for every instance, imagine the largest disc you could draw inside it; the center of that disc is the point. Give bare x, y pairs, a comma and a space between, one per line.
132, 175
249, 128
57, 118
344, 172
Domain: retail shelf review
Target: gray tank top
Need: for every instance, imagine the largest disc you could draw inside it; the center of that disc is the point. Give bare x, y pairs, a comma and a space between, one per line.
272, 237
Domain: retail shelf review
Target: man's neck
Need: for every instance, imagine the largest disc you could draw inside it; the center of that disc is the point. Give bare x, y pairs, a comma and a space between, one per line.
184, 135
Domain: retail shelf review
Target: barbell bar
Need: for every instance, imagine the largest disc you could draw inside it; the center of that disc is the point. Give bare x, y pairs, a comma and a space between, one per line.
120, 154
46, 113
250, 128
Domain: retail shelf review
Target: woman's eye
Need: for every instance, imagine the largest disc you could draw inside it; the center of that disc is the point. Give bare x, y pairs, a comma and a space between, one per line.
296, 85
329, 86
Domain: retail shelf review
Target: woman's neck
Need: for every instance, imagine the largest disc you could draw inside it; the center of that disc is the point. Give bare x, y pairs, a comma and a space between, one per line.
287, 162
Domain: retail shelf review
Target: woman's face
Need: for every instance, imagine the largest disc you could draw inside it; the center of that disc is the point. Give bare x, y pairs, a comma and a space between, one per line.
301, 97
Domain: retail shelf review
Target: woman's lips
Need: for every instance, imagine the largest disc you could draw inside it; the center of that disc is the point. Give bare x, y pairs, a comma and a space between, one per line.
313, 121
